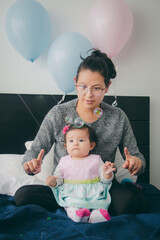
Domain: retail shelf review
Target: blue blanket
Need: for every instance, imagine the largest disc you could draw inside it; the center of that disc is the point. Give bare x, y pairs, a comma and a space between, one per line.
33, 222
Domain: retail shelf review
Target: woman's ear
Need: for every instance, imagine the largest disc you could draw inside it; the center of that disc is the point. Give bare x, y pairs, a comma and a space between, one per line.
92, 145
75, 80
65, 145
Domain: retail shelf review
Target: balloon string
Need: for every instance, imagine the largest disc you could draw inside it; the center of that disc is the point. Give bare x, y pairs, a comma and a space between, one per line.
114, 104
63, 97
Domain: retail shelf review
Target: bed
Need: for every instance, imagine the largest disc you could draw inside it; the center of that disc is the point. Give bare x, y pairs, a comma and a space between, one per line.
21, 116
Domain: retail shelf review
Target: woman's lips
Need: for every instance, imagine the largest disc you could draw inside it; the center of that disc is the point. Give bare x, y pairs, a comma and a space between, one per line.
89, 101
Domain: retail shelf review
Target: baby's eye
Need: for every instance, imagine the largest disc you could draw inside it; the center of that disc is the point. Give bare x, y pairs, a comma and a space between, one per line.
71, 141
81, 140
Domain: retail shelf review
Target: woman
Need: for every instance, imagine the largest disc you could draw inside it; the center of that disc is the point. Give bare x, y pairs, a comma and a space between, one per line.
112, 129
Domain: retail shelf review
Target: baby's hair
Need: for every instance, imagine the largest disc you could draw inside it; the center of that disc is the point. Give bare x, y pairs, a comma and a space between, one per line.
92, 136
98, 62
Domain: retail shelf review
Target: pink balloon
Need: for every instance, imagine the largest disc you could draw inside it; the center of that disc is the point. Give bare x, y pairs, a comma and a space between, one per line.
110, 25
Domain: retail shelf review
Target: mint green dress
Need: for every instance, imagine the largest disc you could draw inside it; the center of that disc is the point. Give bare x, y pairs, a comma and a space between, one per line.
83, 185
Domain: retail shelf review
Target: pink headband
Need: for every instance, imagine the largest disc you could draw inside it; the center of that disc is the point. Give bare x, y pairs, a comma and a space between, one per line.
65, 129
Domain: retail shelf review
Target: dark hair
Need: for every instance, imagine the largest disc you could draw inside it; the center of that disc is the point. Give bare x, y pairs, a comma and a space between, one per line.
98, 62
92, 136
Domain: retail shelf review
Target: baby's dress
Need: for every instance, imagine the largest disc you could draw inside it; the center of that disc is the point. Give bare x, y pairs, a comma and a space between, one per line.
84, 185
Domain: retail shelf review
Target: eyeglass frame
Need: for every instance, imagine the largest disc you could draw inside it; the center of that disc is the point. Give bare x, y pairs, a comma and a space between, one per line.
87, 88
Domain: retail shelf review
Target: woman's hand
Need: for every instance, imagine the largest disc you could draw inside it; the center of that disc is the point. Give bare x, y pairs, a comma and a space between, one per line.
51, 181
132, 163
34, 166
108, 168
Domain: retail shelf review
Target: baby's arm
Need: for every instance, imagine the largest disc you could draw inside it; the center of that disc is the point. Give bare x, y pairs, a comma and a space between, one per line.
56, 179
106, 172
108, 169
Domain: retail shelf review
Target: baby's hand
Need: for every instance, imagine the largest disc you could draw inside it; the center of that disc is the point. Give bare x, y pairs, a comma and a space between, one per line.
51, 181
108, 168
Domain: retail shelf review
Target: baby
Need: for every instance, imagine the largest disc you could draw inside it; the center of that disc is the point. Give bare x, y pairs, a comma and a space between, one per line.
81, 181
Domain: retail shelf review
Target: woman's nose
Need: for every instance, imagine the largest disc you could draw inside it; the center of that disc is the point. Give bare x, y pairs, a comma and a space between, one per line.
89, 92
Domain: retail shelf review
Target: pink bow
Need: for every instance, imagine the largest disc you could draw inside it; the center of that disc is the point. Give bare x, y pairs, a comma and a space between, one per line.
65, 129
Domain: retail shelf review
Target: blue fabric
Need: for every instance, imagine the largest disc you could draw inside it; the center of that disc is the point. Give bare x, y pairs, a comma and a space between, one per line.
33, 222
126, 180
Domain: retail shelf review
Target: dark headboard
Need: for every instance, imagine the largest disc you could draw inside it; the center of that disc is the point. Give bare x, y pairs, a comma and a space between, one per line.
22, 114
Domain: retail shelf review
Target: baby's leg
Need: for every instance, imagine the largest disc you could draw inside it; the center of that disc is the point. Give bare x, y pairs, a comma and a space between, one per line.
99, 215
78, 215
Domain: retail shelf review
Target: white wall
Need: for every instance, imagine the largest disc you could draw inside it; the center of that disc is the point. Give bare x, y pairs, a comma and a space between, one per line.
138, 62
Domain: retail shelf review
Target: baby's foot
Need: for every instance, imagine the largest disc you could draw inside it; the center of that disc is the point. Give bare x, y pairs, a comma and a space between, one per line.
82, 215
99, 215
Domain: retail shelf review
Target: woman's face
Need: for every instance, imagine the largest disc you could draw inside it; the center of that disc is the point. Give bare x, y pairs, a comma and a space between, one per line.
93, 81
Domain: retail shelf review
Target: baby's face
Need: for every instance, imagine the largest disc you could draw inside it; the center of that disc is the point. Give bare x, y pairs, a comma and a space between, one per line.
78, 144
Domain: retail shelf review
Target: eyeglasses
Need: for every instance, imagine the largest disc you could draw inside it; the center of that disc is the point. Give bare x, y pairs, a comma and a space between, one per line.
83, 89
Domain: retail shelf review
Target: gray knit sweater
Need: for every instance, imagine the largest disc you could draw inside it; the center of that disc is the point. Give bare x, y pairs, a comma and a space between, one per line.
112, 129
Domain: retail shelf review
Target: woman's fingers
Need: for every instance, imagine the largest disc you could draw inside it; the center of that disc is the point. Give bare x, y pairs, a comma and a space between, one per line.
34, 166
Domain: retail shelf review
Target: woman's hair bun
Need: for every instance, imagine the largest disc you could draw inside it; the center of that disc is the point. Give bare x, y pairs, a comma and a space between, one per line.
108, 61
112, 71
98, 62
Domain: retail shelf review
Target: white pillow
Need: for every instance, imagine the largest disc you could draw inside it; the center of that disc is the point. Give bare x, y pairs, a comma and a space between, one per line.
47, 166
13, 175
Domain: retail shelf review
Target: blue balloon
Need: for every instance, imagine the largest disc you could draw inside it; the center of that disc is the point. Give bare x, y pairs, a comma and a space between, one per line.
28, 28
64, 58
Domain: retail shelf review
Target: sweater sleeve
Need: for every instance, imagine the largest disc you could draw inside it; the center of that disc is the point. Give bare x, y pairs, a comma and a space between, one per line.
43, 140
58, 173
128, 140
